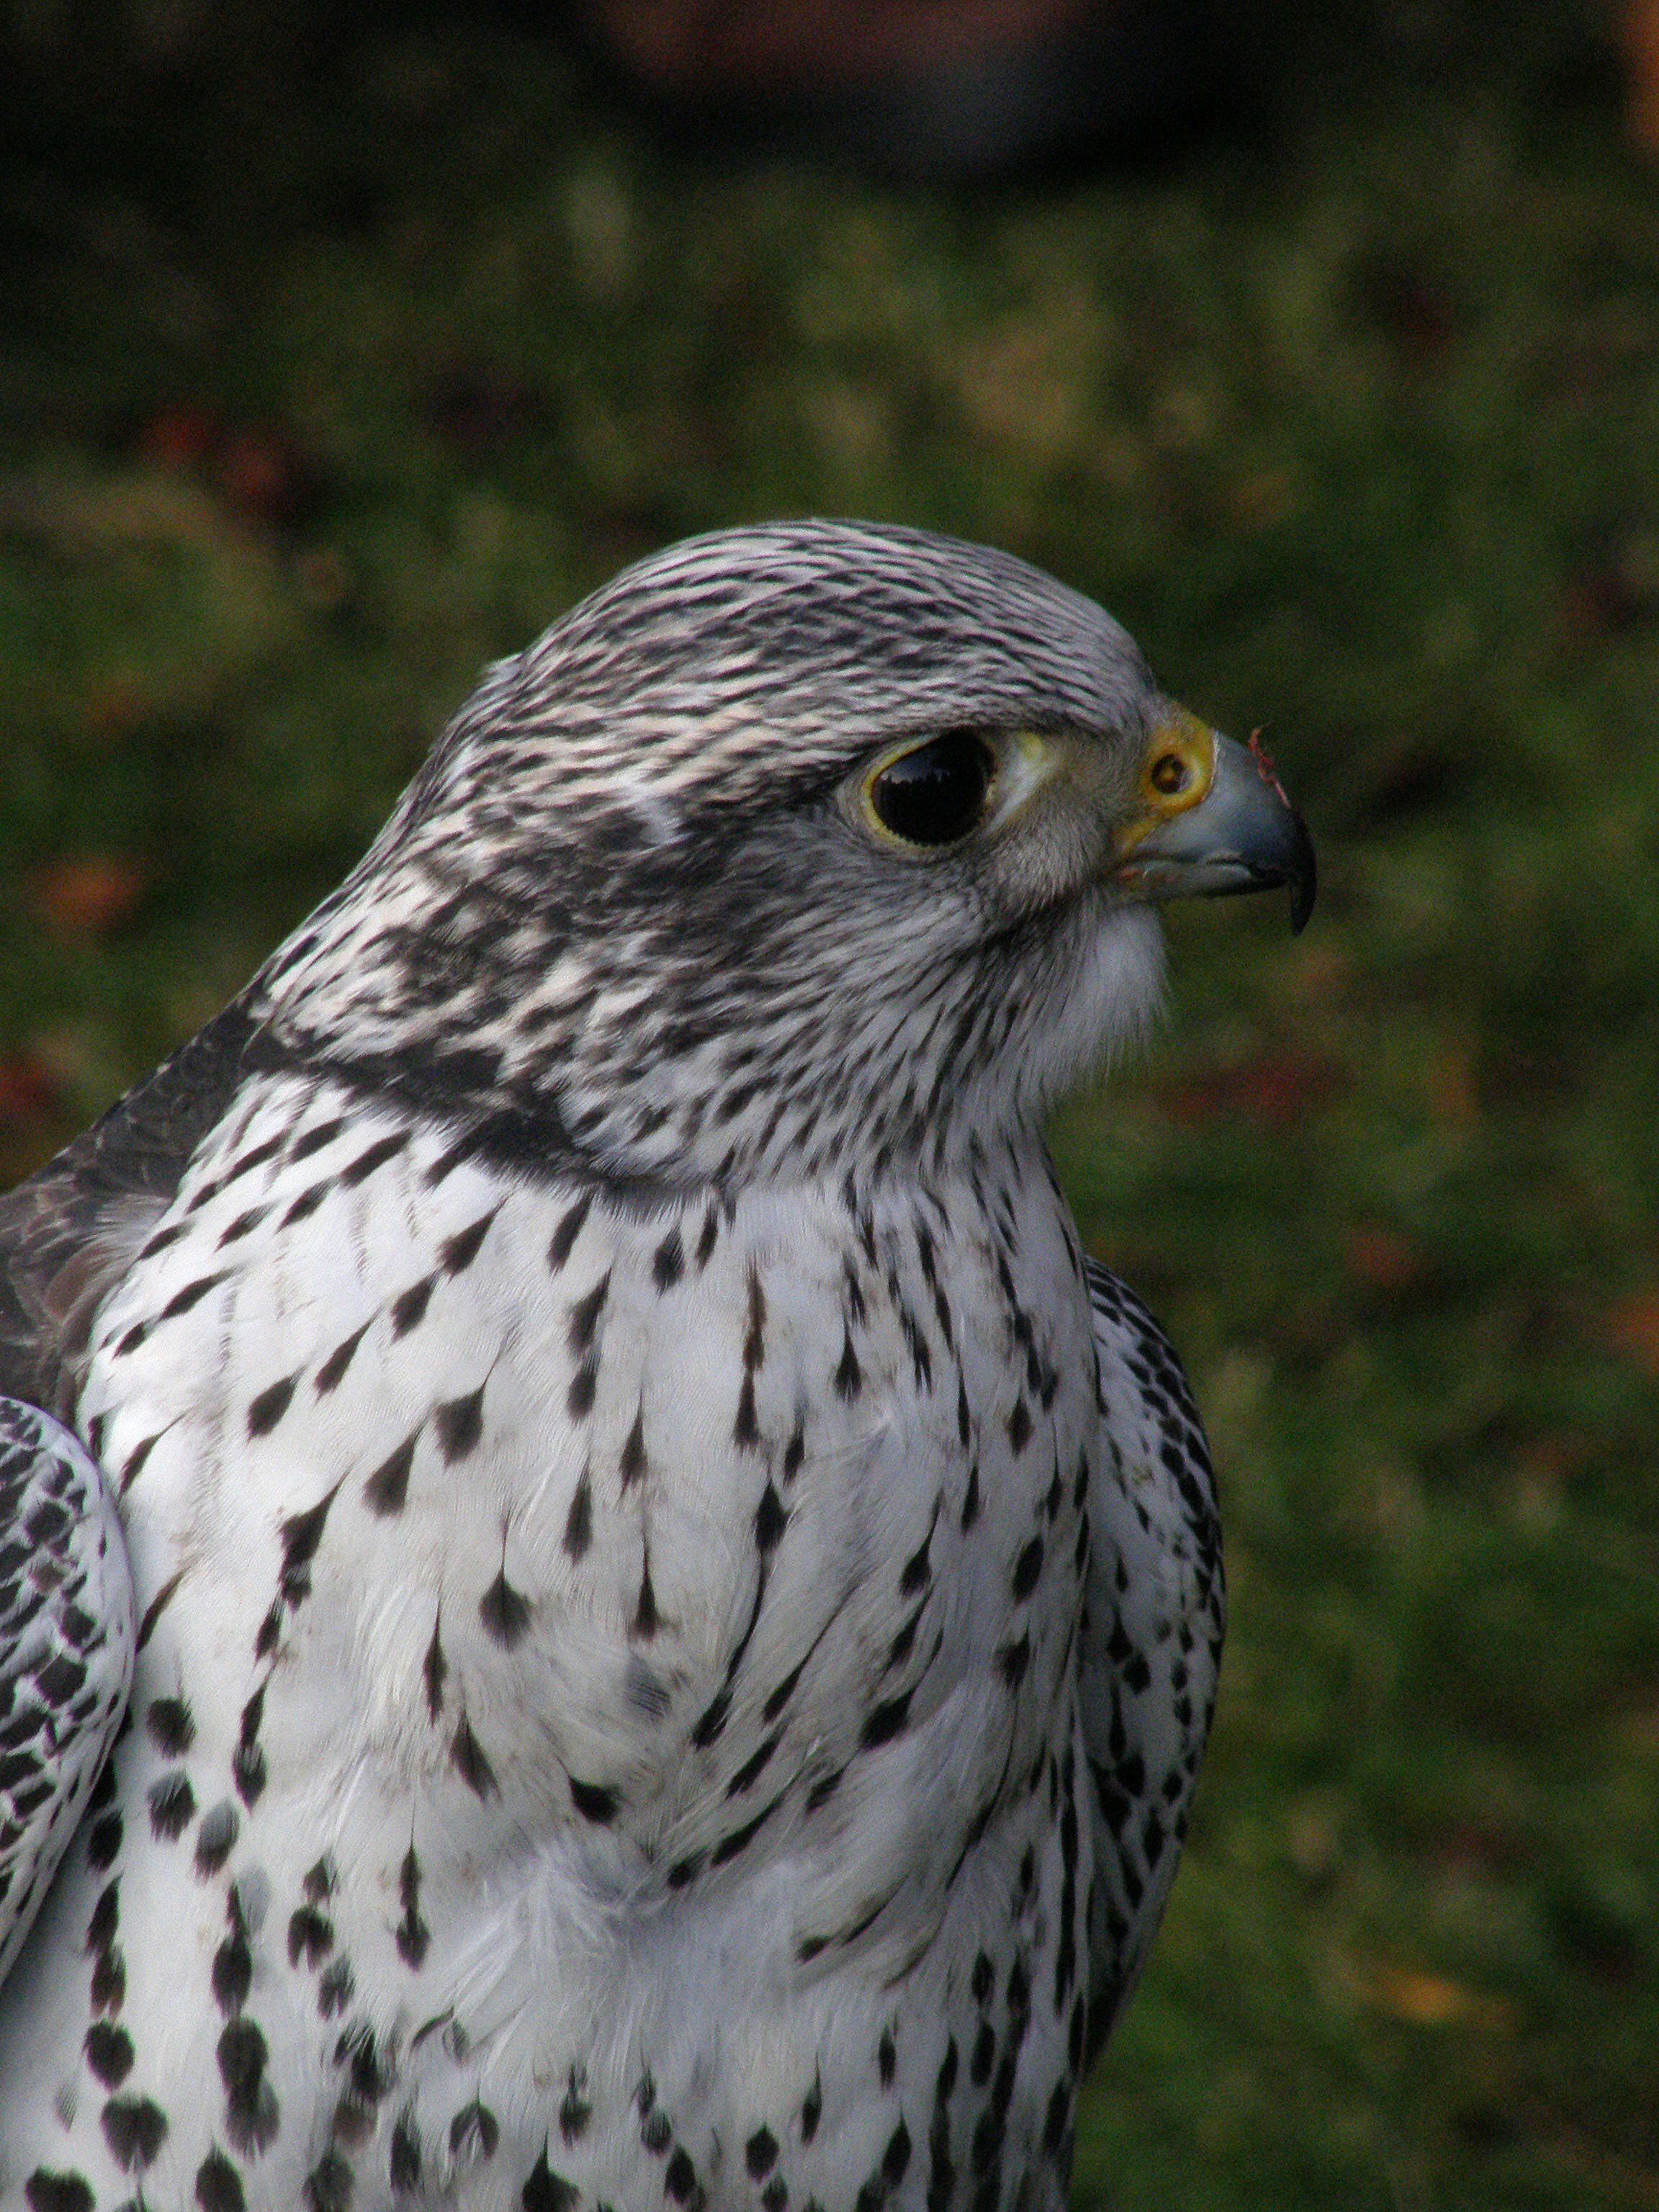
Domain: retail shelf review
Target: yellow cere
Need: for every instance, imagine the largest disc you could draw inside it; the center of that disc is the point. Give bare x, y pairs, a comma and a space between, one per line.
1176, 773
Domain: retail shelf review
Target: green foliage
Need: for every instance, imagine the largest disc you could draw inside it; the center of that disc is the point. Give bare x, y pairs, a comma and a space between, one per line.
1352, 412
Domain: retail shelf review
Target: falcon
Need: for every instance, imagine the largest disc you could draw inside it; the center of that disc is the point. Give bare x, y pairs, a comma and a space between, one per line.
602, 1609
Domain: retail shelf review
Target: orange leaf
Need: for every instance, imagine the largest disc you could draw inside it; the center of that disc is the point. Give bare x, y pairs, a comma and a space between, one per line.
1382, 1258
180, 437
1634, 1327
1280, 1092
1425, 2000
87, 897
26, 1090
263, 475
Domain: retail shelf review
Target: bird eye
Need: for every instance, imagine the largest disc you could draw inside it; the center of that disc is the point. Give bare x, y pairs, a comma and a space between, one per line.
1171, 774
936, 794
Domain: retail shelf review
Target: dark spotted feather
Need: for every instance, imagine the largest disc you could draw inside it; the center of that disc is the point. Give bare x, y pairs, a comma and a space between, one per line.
66, 1648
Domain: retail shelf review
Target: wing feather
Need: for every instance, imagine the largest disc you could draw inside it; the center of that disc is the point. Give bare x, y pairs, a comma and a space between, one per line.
67, 1629
1156, 1614
68, 1234
66, 1649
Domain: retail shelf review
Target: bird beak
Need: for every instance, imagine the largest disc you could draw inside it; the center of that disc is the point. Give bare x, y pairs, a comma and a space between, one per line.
1213, 820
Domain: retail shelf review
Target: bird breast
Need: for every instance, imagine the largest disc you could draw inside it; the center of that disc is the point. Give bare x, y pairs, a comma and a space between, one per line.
597, 1555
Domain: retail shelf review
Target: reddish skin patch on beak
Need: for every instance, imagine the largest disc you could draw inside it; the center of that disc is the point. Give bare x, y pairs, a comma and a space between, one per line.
1264, 761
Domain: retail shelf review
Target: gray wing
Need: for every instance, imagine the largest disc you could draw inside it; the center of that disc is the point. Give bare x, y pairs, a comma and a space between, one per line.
68, 1235
66, 1646
1155, 1616
66, 1605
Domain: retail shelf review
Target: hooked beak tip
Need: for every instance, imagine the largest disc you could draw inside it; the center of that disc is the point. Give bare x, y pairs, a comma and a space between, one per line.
1303, 878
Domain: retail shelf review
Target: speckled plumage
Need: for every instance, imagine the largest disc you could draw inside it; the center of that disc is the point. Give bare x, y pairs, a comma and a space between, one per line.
66, 1638
679, 1614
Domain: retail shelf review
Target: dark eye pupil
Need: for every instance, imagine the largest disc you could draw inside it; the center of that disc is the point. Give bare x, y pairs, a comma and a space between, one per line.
936, 794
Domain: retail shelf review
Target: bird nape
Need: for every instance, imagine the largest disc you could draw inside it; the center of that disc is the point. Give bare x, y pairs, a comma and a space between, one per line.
671, 1616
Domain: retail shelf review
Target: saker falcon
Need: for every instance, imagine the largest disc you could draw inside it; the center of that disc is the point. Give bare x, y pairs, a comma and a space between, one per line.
666, 1615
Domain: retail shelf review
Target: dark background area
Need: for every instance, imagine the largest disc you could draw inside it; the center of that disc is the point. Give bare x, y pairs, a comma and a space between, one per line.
339, 352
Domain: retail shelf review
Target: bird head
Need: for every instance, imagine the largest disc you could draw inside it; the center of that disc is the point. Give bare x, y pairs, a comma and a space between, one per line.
793, 851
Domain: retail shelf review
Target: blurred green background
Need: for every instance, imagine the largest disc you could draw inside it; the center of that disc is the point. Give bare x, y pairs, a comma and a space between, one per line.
334, 360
